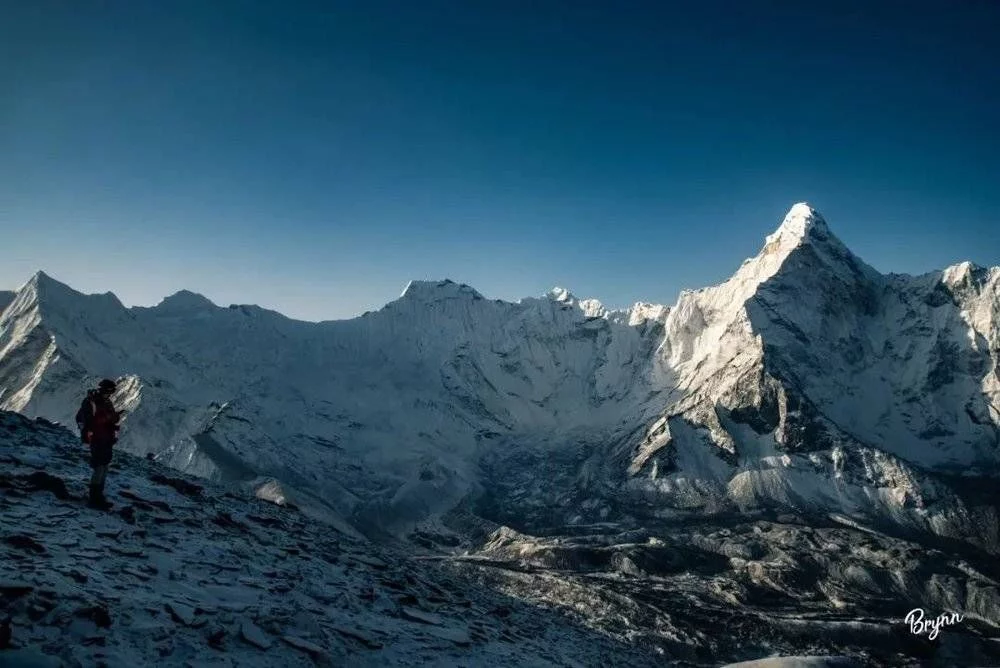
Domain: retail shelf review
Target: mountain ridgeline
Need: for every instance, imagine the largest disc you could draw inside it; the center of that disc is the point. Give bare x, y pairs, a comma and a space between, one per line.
807, 383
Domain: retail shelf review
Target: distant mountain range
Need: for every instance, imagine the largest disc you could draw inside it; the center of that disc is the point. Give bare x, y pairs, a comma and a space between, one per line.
810, 437
807, 380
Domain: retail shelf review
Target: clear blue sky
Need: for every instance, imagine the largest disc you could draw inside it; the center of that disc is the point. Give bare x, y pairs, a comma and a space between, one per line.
313, 157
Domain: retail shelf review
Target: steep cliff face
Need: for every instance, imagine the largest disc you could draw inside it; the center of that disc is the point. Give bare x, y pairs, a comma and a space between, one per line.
810, 344
806, 381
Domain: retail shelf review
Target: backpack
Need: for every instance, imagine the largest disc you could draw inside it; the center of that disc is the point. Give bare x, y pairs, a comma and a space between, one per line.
97, 417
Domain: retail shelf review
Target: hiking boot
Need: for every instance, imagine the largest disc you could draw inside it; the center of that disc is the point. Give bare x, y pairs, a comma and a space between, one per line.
97, 499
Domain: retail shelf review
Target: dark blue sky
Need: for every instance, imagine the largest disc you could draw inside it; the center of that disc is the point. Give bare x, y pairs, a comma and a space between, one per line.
313, 157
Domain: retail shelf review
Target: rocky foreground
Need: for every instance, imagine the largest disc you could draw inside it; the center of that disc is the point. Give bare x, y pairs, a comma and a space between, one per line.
711, 592
182, 573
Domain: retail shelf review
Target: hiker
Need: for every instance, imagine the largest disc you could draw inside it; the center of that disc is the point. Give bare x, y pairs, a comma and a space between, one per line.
99, 423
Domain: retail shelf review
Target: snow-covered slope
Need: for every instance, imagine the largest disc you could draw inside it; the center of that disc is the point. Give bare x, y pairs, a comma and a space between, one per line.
807, 380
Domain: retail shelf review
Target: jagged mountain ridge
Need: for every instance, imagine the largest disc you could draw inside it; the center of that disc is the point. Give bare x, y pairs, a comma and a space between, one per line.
241, 391
806, 380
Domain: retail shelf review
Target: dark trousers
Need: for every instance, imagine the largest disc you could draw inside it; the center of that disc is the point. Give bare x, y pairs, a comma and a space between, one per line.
100, 459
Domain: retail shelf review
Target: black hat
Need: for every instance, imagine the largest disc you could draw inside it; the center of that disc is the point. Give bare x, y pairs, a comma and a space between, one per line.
108, 385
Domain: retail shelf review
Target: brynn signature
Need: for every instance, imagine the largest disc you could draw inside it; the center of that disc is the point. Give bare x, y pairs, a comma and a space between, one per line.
918, 625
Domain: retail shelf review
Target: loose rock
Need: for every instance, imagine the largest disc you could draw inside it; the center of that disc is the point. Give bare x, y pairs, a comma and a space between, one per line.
181, 613
15, 589
306, 646
251, 633
416, 615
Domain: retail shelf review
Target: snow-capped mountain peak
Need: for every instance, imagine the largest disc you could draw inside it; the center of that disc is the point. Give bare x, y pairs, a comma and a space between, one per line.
55, 297
803, 232
185, 301
642, 311
801, 224
41, 288
40, 278
45, 286
560, 294
591, 308
969, 275
434, 291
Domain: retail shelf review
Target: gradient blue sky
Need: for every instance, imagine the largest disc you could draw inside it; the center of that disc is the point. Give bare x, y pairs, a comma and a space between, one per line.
314, 157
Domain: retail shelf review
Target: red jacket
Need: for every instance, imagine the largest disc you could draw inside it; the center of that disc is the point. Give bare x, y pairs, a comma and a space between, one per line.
98, 420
